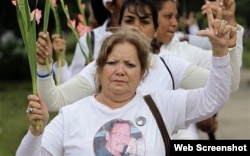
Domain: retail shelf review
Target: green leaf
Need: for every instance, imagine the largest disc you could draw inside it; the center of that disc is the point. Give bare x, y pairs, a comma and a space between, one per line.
28, 32
32, 55
25, 12
46, 15
82, 11
45, 25
23, 17
57, 20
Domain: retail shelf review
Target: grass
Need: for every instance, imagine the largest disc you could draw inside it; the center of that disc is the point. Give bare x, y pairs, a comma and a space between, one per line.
13, 119
246, 53
246, 59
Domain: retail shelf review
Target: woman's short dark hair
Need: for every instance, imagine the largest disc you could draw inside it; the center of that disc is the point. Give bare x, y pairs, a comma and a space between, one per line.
140, 5
100, 13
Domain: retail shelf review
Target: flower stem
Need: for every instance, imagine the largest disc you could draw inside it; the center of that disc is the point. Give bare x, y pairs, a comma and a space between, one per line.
38, 122
60, 70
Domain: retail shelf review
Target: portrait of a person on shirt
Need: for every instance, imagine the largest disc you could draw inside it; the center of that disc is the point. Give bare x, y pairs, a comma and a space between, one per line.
118, 138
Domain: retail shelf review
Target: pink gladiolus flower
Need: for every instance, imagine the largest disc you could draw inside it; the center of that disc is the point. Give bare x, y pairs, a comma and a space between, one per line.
13, 2
38, 15
80, 17
54, 3
83, 6
72, 23
82, 29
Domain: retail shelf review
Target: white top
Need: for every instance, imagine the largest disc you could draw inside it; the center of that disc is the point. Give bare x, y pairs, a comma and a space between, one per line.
193, 28
77, 130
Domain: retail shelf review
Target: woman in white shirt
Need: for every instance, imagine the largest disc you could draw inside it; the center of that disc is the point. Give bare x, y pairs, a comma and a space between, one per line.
121, 66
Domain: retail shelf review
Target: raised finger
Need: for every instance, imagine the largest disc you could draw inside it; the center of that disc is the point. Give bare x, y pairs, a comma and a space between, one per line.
217, 22
216, 26
214, 8
219, 14
210, 17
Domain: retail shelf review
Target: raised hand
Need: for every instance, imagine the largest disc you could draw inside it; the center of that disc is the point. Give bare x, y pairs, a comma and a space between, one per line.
59, 44
37, 111
228, 8
43, 48
219, 31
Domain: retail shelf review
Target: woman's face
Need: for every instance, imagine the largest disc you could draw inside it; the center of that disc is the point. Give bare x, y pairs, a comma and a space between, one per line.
142, 22
168, 22
122, 72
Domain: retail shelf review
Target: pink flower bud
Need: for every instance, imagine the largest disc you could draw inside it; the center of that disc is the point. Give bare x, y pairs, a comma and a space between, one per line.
80, 17
54, 3
72, 23
83, 6
13, 2
83, 29
38, 14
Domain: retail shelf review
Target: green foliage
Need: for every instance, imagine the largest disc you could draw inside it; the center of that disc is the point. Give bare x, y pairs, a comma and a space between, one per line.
13, 120
70, 43
13, 61
246, 53
27, 27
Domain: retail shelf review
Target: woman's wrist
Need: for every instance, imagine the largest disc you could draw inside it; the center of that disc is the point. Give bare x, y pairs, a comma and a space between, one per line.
220, 52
